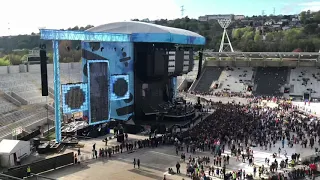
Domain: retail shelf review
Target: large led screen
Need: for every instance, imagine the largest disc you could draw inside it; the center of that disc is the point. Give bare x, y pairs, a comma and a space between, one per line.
74, 98
98, 82
119, 87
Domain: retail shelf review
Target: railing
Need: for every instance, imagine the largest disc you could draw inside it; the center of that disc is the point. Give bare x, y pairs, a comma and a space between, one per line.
7, 130
20, 99
11, 99
38, 177
8, 177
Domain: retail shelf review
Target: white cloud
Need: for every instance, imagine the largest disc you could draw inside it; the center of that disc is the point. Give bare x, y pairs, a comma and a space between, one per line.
27, 16
312, 6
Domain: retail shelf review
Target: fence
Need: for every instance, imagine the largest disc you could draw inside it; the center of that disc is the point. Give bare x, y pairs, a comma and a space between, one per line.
42, 165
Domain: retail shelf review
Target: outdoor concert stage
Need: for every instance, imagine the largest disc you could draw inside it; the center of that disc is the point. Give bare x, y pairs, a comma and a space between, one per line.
125, 66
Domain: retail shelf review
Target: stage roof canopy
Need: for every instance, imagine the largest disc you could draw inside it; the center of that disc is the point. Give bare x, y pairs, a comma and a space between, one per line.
128, 31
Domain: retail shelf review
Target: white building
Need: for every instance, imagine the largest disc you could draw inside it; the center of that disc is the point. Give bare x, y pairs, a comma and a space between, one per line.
11, 150
203, 18
215, 17
239, 17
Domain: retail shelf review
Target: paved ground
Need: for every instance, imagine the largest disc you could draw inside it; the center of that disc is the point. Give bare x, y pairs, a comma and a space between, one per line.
154, 162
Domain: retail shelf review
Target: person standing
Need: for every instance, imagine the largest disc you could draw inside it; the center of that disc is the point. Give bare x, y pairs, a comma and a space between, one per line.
134, 163
178, 168
28, 171
75, 159
138, 163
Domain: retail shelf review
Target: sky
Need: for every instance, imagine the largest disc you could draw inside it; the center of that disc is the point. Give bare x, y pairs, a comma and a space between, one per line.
27, 16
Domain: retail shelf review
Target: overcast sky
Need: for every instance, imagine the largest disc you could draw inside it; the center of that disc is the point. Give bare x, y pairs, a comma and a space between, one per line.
26, 16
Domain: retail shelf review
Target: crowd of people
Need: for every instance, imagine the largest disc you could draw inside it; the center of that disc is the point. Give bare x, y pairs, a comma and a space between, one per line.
235, 131
224, 94
239, 128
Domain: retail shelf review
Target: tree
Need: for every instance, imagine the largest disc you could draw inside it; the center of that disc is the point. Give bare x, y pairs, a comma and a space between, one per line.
303, 17
244, 38
4, 62
236, 33
14, 59
257, 37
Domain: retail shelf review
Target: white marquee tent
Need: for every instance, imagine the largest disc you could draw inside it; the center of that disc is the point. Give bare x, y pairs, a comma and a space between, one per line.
11, 150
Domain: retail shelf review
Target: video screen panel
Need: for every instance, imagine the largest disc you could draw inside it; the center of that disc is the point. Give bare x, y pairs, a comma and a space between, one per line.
74, 98
99, 91
119, 87
179, 59
159, 63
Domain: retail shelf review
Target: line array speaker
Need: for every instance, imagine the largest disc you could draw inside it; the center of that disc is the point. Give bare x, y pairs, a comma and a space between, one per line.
44, 73
200, 64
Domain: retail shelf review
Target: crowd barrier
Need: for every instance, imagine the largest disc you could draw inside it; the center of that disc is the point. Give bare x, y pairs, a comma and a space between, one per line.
42, 165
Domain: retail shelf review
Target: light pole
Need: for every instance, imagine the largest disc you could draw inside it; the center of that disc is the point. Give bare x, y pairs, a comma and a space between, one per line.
224, 23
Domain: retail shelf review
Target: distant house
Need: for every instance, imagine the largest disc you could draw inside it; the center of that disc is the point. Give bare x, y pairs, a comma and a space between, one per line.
295, 19
220, 16
203, 18
269, 23
216, 17
286, 28
18, 50
239, 17
276, 27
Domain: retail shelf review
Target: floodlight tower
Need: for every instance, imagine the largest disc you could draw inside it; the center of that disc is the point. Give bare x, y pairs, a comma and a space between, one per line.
224, 23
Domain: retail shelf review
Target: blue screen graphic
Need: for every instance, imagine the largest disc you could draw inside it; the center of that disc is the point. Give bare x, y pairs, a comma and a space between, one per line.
98, 91
120, 58
74, 98
119, 87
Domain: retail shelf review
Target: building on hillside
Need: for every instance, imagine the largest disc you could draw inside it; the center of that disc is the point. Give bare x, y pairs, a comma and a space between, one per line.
295, 19
219, 16
269, 23
203, 18
276, 27
239, 17
286, 28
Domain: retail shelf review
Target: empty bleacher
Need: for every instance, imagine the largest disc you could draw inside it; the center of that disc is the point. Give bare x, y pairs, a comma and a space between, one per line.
234, 79
209, 75
24, 85
22, 118
305, 79
269, 80
6, 106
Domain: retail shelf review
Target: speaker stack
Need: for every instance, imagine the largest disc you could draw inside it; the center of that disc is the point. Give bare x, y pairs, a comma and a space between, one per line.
44, 73
120, 138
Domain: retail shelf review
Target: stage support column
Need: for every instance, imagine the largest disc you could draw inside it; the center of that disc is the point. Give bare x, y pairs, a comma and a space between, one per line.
57, 93
175, 87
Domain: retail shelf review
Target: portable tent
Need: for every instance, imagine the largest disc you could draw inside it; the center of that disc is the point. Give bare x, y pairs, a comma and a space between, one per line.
11, 150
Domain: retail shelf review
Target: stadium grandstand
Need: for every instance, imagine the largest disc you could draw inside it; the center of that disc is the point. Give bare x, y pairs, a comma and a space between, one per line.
21, 102
294, 74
